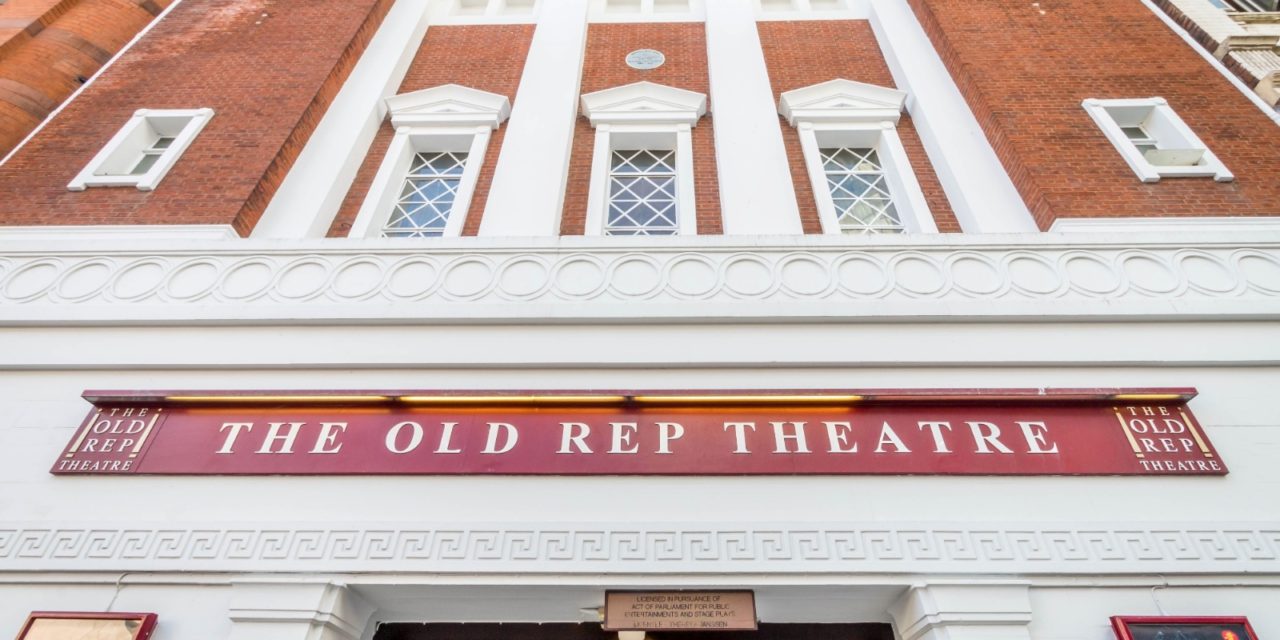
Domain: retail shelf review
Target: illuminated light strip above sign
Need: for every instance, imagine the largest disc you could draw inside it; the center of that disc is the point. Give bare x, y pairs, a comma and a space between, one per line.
830, 397
549, 399
229, 399
747, 399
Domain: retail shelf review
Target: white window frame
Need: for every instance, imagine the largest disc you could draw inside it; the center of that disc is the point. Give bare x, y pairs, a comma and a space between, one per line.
1162, 123
643, 115
111, 166
844, 113
445, 118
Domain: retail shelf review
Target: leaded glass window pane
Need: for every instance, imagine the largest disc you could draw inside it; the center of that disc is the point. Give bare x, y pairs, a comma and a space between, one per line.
642, 193
859, 191
426, 197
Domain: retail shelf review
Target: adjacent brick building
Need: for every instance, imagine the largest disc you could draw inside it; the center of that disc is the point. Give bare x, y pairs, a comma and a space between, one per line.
49, 48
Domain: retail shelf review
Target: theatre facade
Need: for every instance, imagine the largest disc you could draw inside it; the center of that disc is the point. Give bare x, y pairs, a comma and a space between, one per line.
615, 319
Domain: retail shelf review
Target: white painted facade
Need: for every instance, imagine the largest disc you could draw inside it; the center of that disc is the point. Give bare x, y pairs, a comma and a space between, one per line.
763, 307
282, 557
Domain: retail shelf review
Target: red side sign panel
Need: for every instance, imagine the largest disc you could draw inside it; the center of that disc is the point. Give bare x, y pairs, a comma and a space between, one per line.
973, 437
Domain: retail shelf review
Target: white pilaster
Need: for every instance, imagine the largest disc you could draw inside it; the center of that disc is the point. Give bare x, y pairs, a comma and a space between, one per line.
1000, 611
533, 165
977, 185
756, 194
309, 197
285, 610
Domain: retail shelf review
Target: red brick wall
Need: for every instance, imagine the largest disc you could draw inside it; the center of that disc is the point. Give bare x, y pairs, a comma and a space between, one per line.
46, 47
206, 53
1025, 69
800, 54
685, 46
485, 57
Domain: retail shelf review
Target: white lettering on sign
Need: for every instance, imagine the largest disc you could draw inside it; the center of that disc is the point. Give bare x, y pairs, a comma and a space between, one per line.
781, 436
273, 434
935, 428
1036, 434
446, 435
509, 433
574, 434
740, 435
325, 442
622, 434
984, 434
393, 437
838, 437
96, 466
1182, 466
890, 437
668, 431
234, 433
879, 438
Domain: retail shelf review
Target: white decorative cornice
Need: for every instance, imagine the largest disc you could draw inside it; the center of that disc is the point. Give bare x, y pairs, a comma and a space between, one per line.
448, 105
1039, 276
644, 102
1193, 224
843, 101
655, 548
117, 232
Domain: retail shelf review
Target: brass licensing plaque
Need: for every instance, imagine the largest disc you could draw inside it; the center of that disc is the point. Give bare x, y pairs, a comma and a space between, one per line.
657, 610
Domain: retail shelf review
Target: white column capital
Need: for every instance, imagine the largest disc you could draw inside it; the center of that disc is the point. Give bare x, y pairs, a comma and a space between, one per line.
973, 611
301, 610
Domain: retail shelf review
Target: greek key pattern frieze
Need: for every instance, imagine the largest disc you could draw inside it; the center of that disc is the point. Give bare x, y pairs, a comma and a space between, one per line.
658, 549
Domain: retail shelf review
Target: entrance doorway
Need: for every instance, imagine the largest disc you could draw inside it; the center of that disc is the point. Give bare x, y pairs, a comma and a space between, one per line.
557, 631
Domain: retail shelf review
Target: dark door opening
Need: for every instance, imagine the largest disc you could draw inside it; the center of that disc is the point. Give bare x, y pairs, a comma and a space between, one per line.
557, 631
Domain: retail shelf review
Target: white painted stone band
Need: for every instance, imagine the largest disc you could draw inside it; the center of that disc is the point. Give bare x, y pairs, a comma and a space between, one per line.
583, 278
660, 548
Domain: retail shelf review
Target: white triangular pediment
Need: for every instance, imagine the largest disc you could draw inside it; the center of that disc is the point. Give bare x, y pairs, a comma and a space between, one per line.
644, 102
842, 100
448, 105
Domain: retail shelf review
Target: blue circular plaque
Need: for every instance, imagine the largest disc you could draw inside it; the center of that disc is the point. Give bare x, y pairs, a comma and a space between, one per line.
645, 59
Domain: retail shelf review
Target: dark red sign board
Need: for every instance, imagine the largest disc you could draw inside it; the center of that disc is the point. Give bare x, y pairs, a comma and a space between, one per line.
944, 432
1182, 628
79, 625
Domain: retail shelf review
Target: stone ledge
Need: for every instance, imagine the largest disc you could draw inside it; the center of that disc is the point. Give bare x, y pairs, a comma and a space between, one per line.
563, 279
656, 548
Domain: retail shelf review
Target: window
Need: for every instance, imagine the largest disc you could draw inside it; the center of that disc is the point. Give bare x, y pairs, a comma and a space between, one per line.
861, 179
424, 185
151, 154
143, 150
427, 196
642, 193
642, 168
1154, 141
859, 190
